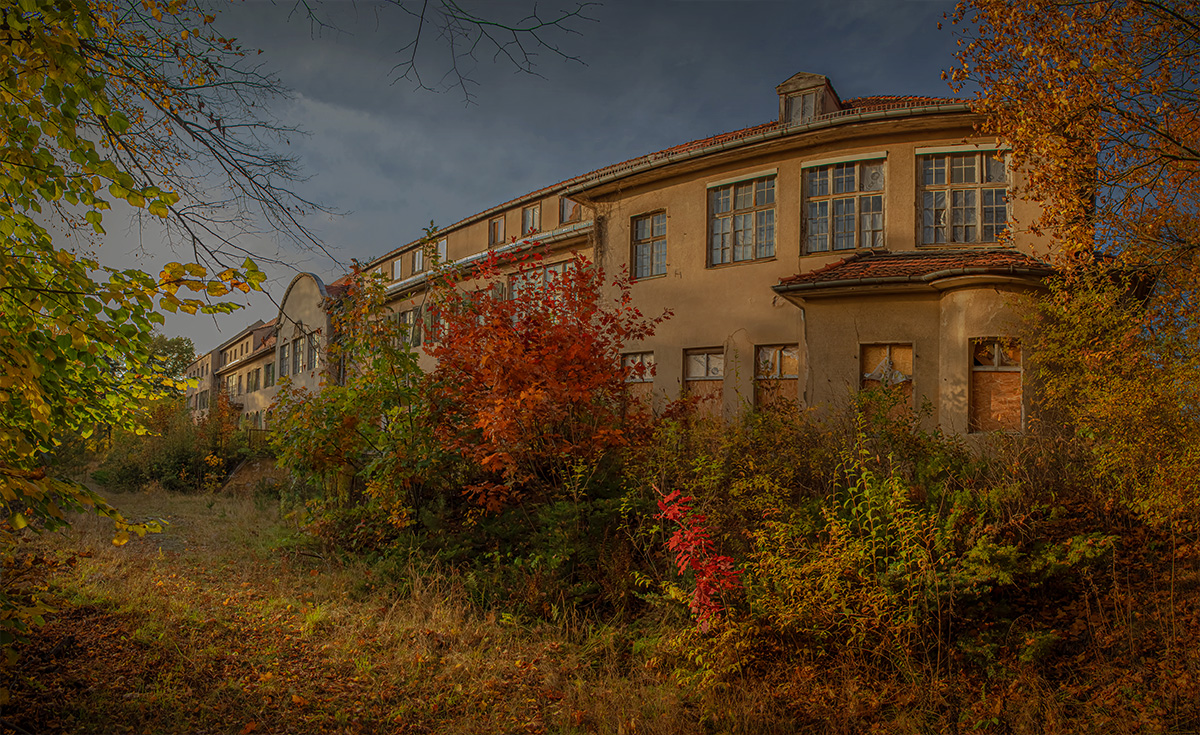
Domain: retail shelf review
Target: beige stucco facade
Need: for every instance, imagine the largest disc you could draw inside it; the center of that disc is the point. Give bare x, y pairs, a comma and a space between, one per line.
792, 253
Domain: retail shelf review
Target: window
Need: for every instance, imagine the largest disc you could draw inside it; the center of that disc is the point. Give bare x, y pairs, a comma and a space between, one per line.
538, 277
706, 365
297, 355
531, 219
802, 108
963, 198
995, 400
742, 218
411, 323
397, 269
418, 261
254, 380
650, 245
441, 251
313, 353
268, 375
888, 366
284, 362
638, 367
496, 231
202, 400
843, 206
776, 373
569, 210
704, 377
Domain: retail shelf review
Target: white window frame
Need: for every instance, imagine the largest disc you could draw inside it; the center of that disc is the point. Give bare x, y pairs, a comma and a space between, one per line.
713, 364
958, 212
835, 195
727, 208
638, 367
531, 219
653, 245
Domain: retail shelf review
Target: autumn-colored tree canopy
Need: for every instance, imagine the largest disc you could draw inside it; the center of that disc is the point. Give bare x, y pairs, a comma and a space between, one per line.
529, 372
101, 101
1100, 105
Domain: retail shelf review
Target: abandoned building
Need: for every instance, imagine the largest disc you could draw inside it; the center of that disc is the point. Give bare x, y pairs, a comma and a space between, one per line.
845, 244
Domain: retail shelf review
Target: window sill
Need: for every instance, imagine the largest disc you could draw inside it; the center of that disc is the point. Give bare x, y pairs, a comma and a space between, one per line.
654, 277
960, 245
851, 251
736, 263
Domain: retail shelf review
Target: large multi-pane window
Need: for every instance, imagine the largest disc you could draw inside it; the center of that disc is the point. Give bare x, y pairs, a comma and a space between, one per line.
843, 206
284, 360
741, 221
963, 198
268, 375
650, 245
297, 355
313, 352
418, 260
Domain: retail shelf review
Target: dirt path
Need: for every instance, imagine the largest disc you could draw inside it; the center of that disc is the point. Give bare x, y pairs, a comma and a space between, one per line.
210, 627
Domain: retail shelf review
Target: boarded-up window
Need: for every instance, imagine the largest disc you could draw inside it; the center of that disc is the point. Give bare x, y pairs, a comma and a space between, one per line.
638, 368
776, 374
704, 376
995, 386
888, 366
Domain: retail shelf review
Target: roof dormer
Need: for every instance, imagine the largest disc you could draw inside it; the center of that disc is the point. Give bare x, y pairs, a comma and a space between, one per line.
805, 97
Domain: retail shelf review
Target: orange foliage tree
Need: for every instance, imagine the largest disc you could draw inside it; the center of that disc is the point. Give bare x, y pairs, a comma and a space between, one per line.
529, 384
1099, 103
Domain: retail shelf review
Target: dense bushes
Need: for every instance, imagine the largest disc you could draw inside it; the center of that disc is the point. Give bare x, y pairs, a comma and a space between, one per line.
178, 452
845, 572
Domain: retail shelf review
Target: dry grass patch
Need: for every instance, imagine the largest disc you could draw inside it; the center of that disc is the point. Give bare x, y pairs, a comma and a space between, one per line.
215, 625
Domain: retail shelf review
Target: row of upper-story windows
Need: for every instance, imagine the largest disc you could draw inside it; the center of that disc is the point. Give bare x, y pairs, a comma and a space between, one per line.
251, 381
417, 261
236, 352
963, 199
200, 371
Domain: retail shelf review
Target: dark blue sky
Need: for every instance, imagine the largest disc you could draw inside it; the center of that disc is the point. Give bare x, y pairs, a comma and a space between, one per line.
651, 74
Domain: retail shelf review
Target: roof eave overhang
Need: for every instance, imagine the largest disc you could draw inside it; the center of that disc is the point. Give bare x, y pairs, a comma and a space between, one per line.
560, 236
944, 280
763, 137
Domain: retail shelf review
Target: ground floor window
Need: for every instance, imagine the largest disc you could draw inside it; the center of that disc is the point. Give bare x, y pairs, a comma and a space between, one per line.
995, 391
776, 374
638, 369
888, 366
704, 378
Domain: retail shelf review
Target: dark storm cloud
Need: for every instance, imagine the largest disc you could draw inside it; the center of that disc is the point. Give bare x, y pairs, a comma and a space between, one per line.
654, 74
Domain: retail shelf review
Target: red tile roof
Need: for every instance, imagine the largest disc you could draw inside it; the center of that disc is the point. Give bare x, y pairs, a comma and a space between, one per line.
892, 101
849, 107
922, 266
